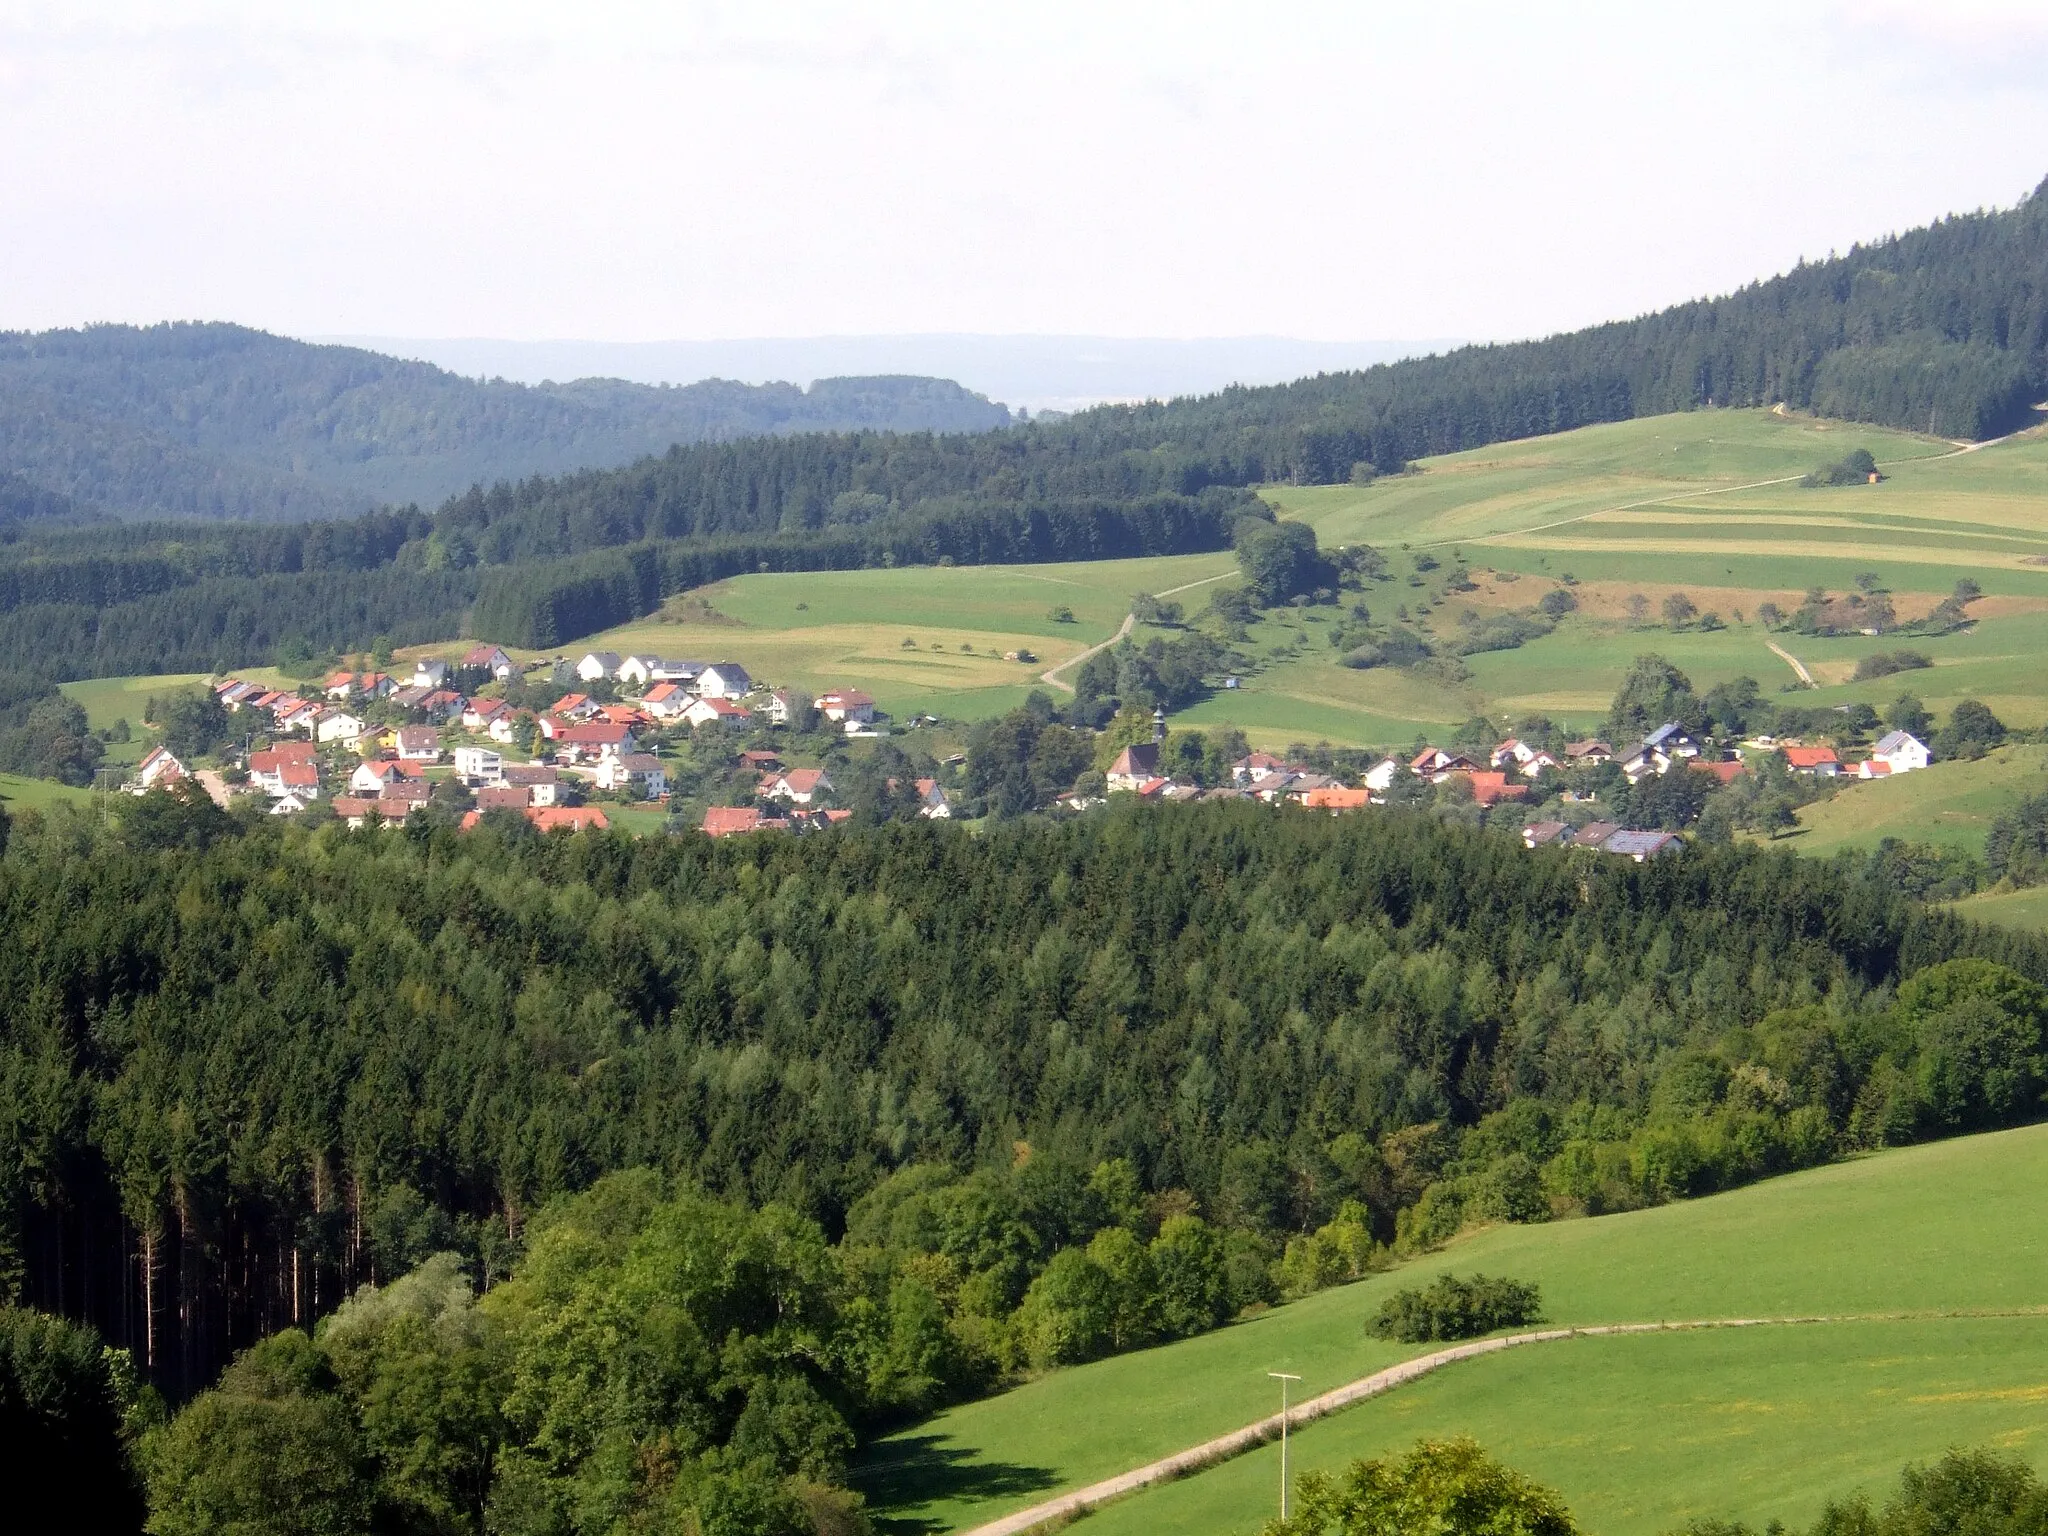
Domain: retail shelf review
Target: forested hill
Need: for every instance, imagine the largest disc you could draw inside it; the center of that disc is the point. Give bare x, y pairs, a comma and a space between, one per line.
220, 421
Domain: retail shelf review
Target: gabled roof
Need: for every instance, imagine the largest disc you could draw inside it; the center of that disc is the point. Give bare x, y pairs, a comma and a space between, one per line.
1642, 843
502, 797
574, 818
640, 762
1892, 741
1588, 747
721, 707
1594, 833
1670, 730
661, 693
726, 820
1538, 833
596, 733
417, 738
1809, 757
851, 696
532, 773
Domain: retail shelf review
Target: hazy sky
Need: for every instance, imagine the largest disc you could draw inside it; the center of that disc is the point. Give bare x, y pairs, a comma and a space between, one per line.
634, 172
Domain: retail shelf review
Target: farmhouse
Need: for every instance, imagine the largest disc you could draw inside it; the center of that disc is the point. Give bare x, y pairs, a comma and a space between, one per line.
1901, 752
1819, 761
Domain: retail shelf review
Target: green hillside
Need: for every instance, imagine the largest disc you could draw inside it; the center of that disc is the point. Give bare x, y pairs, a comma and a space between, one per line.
1733, 1418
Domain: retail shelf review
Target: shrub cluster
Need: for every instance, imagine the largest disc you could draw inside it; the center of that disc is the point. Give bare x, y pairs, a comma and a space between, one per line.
1450, 1308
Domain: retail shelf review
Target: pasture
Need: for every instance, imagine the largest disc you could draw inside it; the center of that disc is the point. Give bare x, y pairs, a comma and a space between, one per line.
1949, 804
1638, 1433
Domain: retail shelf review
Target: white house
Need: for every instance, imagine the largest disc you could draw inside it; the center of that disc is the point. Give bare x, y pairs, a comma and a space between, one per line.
419, 744
933, 801
1902, 751
724, 680
596, 665
479, 765
640, 770
783, 707
480, 714
1136, 766
674, 671
488, 658
665, 701
637, 670
159, 767
370, 777
541, 781
847, 706
429, 672
717, 711
1380, 777
339, 725
595, 740
798, 785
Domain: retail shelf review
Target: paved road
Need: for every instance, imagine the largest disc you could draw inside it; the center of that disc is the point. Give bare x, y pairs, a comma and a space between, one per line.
1223, 1447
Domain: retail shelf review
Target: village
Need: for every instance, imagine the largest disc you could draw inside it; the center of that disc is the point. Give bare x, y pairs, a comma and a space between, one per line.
374, 746
575, 743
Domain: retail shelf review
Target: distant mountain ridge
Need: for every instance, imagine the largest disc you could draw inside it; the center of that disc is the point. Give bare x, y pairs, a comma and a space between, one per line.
220, 421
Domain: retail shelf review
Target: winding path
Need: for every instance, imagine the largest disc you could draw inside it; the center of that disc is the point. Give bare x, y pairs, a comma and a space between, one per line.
1068, 1506
1052, 675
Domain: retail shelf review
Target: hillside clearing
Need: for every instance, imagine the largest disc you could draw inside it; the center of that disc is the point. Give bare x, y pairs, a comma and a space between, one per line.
1891, 1232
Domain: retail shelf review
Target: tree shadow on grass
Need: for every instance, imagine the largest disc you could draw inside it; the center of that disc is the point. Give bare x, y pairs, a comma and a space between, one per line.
923, 1469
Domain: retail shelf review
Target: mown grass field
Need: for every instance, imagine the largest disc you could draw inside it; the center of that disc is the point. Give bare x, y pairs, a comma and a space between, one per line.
2026, 908
1949, 804
846, 629
1638, 1433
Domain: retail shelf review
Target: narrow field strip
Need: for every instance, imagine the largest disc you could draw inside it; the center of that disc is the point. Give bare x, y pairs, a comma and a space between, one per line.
1066, 1507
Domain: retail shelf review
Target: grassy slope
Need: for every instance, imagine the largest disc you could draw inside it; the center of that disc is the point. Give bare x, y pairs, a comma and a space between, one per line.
1949, 803
18, 793
1927, 1229
2026, 909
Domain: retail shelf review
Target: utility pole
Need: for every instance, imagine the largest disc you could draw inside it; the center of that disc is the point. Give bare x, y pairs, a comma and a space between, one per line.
1283, 1378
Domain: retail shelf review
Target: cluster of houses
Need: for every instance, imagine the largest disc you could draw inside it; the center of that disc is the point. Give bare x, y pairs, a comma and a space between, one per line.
716, 693
792, 800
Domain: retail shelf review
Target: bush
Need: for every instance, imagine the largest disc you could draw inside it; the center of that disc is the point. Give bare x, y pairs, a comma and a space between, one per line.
1884, 664
1450, 1308
1856, 468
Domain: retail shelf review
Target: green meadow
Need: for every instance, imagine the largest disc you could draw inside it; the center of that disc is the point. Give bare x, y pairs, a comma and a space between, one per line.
18, 793
1638, 1433
1950, 804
